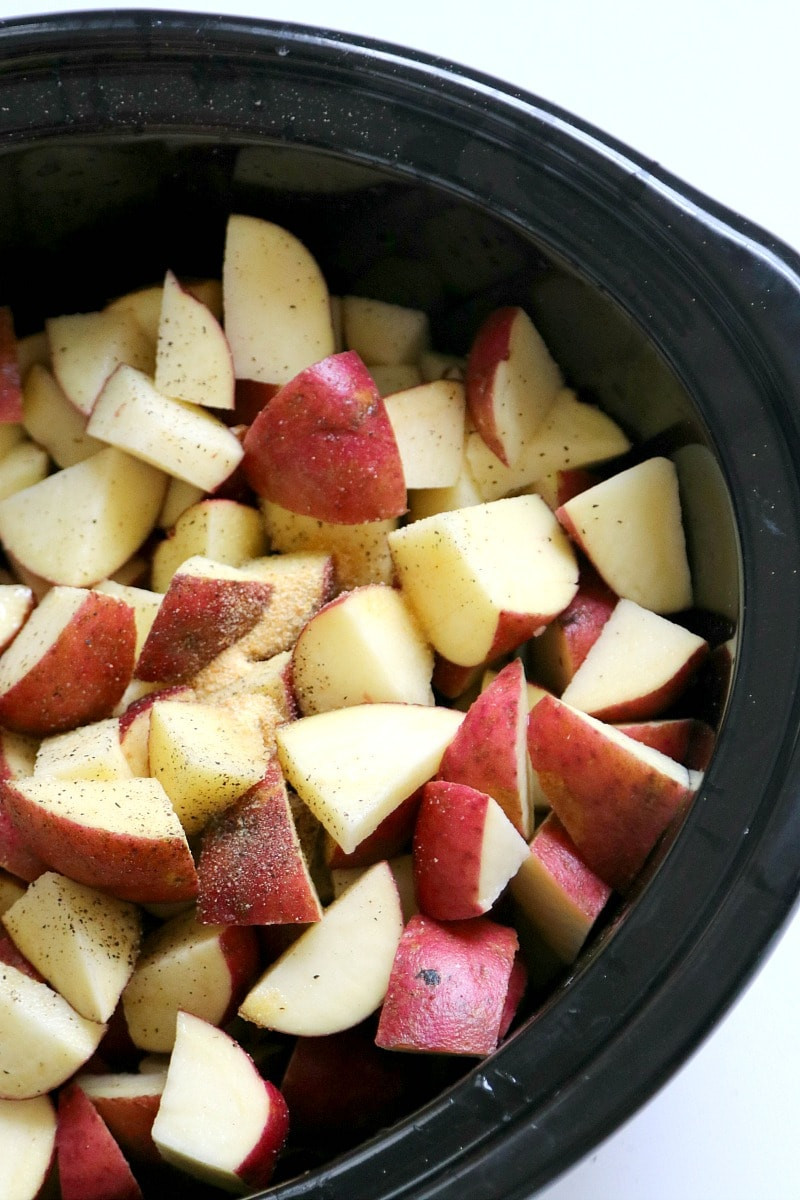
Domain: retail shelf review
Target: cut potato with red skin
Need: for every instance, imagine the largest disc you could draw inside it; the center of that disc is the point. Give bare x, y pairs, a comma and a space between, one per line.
561, 648
91, 1165
686, 739
324, 447
448, 987
193, 359
17, 758
615, 796
465, 851
557, 892
637, 666
128, 1103
353, 766
207, 607
218, 1119
270, 282
69, 664
484, 579
43, 1041
511, 381
186, 966
365, 646
490, 751
10, 384
251, 869
84, 943
122, 836
335, 975
118, 498
630, 526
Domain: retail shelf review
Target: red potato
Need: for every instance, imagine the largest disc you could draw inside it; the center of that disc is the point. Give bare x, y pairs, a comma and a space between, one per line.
69, 664
17, 757
122, 836
27, 1146
271, 282
91, 1165
465, 851
637, 666
484, 579
335, 974
218, 1119
342, 1087
511, 381
193, 358
207, 607
324, 447
561, 648
631, 528
251, 869
226, 531
364, 646
393, 833
490, 752
128, 1103
43, 1041
686, 739
557, 892
185, 966
353, 766
86, 348
614, 796
84, 943
557, 487
118, 498
448, 987
10, 384
134, 725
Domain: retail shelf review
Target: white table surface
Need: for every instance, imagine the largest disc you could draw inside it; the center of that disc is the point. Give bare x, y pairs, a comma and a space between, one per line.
711, 90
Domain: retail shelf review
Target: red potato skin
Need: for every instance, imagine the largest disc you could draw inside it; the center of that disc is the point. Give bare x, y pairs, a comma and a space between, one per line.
483, 753
517, 986
143, 869
452, 680
130, 1121
686, 739
257, 1169
81, 677
559, 855
491, 346
11, 412
240, 948
15, 855
568, 639
137, 708
448, 839
250, 870
448, 987
198, 619
324, 446
570, 483
91, 1165
614, 806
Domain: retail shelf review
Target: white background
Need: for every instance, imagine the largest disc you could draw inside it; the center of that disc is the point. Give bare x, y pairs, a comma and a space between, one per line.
711, 90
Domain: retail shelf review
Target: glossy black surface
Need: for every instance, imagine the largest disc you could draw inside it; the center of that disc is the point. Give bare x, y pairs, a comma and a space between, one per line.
125, 139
